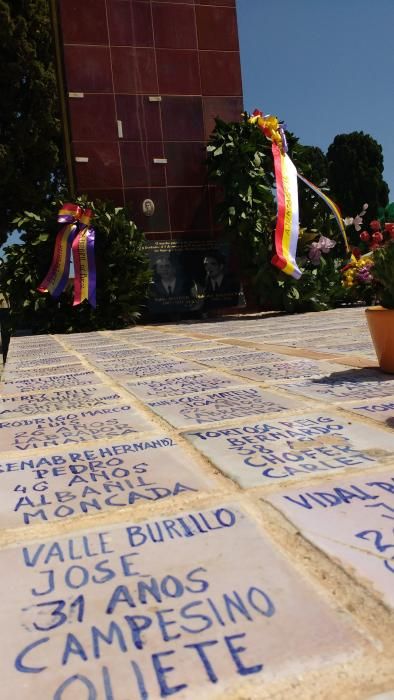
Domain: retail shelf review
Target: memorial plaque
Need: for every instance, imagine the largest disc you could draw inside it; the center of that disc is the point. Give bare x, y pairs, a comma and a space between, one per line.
158, 608
213, 350
113, 475
42, 383
261, 453
25, 373
221, 405
25, 434
114, 350
169, 342
379, 410
21, 353
118, 349
348, 385
286, 370
241, 359
113, 360
36, 404
356, 348
179, 386
150, 369
28, 363
351, 520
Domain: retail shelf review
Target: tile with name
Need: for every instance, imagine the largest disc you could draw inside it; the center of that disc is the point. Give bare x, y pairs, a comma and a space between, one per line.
221, 405
108, 476
20, 354
381, 410
25, 434
114, 359
210, 352
60, 400
12, 374
243, 359
151, 369
357, 346
158, 608
282, 450
348, 385
28, 363
178, 386
286, 370
351, 520
21, 386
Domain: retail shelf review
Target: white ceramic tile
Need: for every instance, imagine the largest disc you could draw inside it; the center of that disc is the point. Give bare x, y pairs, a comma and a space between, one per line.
352, 520
105, 477
159, 609
29, 433
221, 405
280, 450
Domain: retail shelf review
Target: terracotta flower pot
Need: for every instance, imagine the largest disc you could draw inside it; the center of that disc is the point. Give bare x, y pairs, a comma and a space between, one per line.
381, 328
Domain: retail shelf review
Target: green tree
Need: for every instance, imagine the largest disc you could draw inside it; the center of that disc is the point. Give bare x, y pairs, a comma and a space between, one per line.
310, 162
122, 266
355, 173
31, 162
240, 162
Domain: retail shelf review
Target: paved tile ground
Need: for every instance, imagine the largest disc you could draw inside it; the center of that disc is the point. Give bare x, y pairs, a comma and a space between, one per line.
198, 510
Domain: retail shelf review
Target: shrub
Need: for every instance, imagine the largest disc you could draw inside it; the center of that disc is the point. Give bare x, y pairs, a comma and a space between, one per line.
123, 273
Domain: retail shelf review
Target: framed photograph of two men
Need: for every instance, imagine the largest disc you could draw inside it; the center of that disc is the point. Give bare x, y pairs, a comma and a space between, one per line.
193, 276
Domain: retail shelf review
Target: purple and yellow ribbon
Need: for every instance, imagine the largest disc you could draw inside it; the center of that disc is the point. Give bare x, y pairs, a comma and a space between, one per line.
75, 236
287, 224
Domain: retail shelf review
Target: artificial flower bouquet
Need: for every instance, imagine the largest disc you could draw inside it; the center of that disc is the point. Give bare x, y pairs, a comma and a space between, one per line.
370, 273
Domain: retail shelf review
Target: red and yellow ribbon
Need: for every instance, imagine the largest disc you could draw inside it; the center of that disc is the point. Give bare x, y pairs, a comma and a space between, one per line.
78, 237
287, 224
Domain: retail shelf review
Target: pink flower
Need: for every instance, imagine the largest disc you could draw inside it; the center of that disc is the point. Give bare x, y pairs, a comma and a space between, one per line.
326, 244
375, 225
377, 237
314, 254
323, 245
364, 235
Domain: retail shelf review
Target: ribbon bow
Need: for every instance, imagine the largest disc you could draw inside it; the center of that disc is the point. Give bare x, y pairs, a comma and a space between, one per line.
287, 223
78, 237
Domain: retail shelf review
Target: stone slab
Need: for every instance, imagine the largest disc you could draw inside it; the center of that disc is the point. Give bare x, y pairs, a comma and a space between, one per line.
49, 402
180, 385
26, 434
281, 450
351, 520
348, 385
22, 386
221, 405
381, 410
64, 484
159, 609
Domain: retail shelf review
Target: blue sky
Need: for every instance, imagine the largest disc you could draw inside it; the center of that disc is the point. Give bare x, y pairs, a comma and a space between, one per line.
323, 66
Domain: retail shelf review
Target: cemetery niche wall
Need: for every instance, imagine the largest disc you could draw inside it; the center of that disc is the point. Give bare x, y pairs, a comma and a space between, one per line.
143, 83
